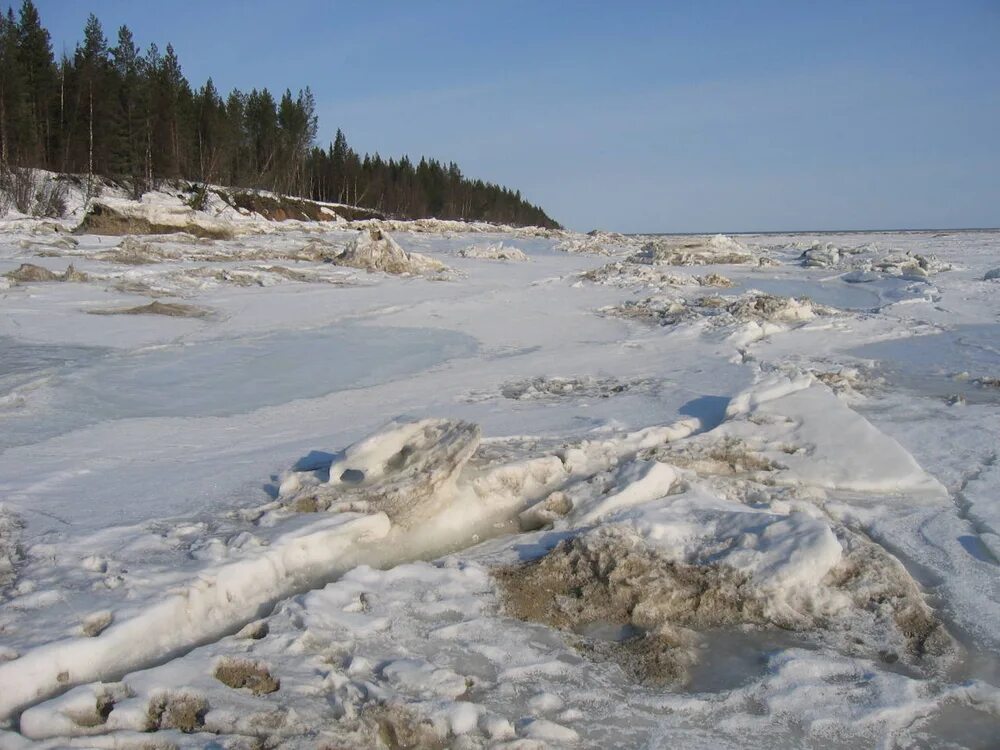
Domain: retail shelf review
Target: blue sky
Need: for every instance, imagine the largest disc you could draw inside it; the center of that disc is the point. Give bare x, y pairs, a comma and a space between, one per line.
641, 116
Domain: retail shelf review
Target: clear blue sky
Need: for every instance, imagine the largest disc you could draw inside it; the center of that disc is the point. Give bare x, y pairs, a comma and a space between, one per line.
642, 116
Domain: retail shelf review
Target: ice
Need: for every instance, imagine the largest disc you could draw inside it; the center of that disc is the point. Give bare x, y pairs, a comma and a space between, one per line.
815, 439
220, 601
496, 251
347, 508
375, 250
944, 364
718, 249
83, 386
835, 293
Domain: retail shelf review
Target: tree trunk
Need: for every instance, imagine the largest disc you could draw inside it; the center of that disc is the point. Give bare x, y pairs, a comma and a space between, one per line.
3, 128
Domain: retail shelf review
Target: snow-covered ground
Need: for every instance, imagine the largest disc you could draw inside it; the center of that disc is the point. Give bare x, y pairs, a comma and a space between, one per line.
350, 485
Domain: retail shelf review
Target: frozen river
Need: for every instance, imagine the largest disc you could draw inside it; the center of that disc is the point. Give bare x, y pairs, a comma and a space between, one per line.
711, 492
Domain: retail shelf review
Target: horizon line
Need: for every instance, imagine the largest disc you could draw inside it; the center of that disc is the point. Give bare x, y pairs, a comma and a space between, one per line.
818, 231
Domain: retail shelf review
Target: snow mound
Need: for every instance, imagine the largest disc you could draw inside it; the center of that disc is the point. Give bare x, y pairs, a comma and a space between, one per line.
219, 601
420, 654
28, 273
849, 381
717, 250
451, 227
871, 262
753, 307
10, 546
630, 273
543, 387
669, 570
825, 255
407, 471
374, 250
668, 554
49, 247
132, 251
817, 440
760, 306
494, 251
169, 309
152, 215
597, 243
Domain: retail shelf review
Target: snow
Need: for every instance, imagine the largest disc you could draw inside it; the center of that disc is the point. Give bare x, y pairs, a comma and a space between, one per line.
219, 600
374, 250
334, 475
496, 251
717, 249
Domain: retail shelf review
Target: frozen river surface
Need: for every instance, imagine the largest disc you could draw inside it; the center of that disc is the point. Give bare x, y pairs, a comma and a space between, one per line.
744, 495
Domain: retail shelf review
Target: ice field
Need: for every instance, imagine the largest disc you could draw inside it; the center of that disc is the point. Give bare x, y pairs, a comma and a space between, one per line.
380, 484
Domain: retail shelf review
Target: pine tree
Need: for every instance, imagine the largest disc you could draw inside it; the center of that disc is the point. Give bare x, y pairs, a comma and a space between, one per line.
126, 157
11, 89
113, 111
38, 68
93, 65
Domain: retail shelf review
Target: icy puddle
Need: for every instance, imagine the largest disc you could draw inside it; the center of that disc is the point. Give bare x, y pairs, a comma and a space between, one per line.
210, 378
732, 658
943, 365
838, 293
20, 360
23, 364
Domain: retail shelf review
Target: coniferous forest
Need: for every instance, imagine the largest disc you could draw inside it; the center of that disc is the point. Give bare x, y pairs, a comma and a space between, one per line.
115, 110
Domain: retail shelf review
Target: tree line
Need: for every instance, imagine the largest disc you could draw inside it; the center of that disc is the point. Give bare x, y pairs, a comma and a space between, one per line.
121, 112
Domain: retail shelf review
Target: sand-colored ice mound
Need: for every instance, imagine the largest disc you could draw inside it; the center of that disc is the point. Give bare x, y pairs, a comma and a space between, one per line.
135, 251
493, 251
374, 250
116, 216
167, 309
132, 251
552, 387
452, 227
598, 242
49, 247
751, 307
28, 273
10, 546
719, 249
186, 281
629, 273
704, 564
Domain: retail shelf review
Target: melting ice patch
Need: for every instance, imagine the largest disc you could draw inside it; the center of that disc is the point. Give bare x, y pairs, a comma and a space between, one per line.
214, 378
949, 363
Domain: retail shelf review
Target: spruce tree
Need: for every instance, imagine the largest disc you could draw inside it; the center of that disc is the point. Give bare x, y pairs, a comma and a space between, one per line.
11, 90
114, 112
94, 66
39, 70
126, 155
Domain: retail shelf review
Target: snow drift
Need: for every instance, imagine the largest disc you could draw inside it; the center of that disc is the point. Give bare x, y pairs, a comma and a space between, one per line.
374, 250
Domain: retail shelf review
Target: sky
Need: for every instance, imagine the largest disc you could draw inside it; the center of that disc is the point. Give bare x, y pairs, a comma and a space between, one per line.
633, 116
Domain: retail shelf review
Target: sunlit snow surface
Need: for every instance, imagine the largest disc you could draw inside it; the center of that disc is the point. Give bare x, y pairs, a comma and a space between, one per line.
182, 494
